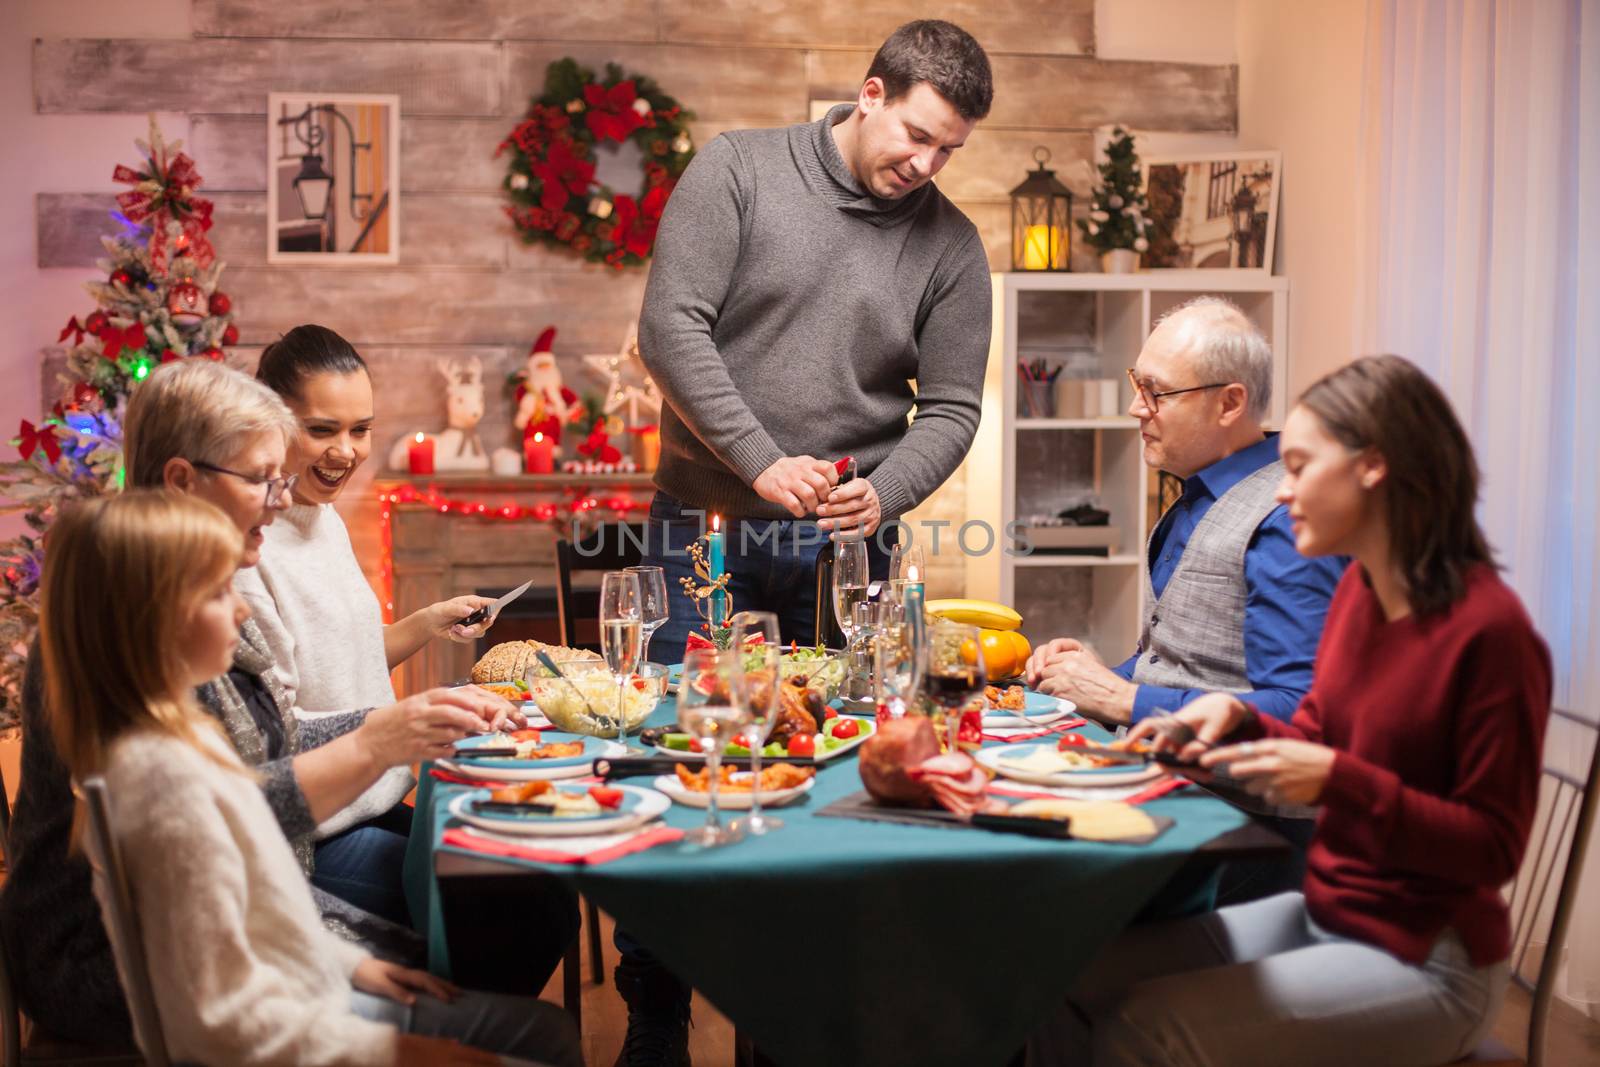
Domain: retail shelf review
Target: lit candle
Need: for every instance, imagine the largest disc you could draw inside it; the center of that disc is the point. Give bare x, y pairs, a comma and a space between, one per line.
1037, 246
717, 562
538, 454
419, 454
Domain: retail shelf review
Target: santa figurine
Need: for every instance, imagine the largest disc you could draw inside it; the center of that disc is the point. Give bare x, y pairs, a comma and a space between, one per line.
543, 403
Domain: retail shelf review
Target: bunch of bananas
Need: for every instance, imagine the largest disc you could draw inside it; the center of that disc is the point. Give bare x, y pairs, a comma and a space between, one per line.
1004, 649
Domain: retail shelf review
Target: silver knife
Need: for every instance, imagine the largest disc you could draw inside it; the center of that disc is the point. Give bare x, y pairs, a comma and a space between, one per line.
495, 608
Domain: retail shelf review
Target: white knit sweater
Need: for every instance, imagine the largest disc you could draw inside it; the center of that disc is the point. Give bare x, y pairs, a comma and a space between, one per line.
243, 970
325, 629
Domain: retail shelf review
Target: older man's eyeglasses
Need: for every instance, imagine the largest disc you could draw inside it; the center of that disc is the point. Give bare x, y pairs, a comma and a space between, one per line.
1151, 400
275, 487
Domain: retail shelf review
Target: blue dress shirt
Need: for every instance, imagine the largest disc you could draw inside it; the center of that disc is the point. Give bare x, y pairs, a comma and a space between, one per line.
1286, 593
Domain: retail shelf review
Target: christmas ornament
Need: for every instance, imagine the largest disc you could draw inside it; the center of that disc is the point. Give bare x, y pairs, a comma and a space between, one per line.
122, 278
221, 303
543, 403
213, 354
95, 324
230, 334
554, 197
186, 304
628, 383
163, 195
85, 396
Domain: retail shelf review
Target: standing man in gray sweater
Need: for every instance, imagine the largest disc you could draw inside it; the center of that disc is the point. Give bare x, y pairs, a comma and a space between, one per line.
803, 279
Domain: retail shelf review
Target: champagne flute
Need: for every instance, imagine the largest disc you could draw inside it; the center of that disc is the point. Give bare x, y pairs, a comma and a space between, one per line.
711, 710
897, 669
850, 580
653, 603
955, 672
760, 676
621, 632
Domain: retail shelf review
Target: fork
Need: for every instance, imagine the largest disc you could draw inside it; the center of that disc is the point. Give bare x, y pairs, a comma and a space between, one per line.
1174, 729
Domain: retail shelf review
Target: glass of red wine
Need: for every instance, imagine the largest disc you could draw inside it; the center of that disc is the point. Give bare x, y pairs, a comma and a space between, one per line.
955, 674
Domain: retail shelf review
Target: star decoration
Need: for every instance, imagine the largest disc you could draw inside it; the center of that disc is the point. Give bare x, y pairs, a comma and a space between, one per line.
628, 383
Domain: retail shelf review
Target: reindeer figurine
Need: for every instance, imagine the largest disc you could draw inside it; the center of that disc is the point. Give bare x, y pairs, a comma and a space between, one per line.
458, 447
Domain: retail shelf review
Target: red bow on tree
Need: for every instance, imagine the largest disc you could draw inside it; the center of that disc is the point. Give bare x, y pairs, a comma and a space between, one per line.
598, 447
73, 329
116, 340
165, 193
564, 174
611, 114
32, 438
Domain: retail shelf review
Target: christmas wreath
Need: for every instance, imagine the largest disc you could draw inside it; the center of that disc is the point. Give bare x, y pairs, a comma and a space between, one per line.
554, 197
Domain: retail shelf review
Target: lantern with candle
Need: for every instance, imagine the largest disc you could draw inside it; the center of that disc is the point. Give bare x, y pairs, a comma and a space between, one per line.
1041, 220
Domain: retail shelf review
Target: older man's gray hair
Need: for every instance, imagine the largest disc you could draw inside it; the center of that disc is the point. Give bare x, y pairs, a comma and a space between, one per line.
1227, 347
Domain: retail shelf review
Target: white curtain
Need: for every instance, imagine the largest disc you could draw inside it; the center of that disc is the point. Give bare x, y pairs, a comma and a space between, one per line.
1480, 260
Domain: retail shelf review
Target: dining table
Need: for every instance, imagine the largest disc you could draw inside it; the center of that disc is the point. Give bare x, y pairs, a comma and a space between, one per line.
843, 941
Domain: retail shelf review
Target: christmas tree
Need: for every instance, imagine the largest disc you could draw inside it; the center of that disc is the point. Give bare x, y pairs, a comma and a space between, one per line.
157, 301
1117, 210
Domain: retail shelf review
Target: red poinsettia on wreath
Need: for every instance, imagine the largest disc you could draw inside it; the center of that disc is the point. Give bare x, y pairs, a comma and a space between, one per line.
555, 199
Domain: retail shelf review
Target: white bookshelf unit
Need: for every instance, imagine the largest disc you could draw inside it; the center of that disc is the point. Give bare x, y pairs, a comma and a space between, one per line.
1093, 326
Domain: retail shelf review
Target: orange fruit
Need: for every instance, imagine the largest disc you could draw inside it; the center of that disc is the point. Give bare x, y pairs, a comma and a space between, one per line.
999, 657
1019, 647
969, 651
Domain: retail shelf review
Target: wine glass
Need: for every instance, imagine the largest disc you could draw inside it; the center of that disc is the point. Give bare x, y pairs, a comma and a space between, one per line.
870, 615
760, 676
955, 672
897, 669
711, 710
850, 580
621, 632
653, 603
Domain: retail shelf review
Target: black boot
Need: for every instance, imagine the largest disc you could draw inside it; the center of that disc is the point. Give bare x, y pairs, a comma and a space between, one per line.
658, 1015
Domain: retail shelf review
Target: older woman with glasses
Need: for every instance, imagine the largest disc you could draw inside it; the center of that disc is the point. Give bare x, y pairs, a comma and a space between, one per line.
202, 429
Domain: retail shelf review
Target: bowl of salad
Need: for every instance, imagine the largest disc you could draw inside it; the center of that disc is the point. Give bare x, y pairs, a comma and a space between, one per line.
819, 669
590, 704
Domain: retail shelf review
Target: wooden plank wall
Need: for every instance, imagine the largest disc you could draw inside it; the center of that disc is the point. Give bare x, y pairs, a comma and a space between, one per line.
464, 74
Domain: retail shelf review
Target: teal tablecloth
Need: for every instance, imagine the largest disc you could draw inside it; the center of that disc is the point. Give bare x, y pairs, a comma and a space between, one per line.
840, 941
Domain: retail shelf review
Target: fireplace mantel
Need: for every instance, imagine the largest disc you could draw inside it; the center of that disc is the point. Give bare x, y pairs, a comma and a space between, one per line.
436, 556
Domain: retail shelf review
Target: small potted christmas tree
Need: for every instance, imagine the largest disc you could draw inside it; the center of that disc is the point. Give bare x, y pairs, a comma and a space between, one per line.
1116, 224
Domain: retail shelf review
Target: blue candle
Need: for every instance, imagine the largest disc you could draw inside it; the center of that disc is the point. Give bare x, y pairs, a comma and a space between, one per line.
717, 563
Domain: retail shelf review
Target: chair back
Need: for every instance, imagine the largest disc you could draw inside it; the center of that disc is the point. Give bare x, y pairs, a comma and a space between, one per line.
612, 546
1562, 831
122, 922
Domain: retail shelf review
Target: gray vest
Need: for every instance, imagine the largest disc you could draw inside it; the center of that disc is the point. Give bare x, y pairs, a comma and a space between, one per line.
1193, 637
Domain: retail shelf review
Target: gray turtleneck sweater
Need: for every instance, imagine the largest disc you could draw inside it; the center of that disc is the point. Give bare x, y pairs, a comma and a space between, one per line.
788, 312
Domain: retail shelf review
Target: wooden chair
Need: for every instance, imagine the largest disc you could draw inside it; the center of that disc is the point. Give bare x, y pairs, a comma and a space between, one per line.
1565, 828
36, 1047
122, 921
613, 546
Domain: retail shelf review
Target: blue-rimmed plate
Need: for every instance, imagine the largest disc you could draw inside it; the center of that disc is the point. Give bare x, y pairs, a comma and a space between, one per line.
510, 769
1040, 763
1041, 710
638, 806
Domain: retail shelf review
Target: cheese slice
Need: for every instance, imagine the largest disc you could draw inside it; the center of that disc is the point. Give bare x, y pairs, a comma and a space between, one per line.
1092, 820
1049, 761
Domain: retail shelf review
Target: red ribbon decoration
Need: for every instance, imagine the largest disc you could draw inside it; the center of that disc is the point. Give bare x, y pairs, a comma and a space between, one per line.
175, 179
598, 447
34, 438
133, 338
73, 329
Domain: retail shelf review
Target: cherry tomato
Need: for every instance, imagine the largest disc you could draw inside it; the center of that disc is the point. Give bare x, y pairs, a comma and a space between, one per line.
1071, 741
845, 729
802, 745
606, 796
829, 714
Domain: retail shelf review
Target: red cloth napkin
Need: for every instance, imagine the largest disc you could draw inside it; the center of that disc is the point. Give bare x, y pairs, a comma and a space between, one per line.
661, 835
1160, 789
456, 779
1045, 731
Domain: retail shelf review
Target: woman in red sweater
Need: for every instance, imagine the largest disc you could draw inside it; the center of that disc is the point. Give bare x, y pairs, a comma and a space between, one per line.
1420, 740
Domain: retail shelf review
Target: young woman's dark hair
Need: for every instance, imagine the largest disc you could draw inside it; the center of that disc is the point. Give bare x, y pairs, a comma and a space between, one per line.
1387, 404
303, 352
941, 54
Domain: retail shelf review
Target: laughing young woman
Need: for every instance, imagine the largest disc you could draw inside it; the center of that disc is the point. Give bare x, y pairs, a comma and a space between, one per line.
1420, 740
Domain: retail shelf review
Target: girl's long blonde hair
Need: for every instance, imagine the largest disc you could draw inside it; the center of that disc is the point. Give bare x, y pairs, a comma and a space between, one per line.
121, 576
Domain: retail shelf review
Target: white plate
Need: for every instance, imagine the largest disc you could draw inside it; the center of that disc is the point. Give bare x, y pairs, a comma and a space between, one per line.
1041, 710
530, 710
996, 758
651, 805
498, 770
771, 798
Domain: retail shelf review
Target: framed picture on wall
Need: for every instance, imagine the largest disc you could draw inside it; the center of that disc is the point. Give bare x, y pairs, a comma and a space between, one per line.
1212, 212
333, 178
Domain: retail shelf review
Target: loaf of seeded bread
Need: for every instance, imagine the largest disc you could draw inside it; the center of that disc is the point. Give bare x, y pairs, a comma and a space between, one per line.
511, 660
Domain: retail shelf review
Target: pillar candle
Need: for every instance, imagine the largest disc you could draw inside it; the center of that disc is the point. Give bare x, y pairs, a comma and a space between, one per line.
717, 561
420, 454
538, 454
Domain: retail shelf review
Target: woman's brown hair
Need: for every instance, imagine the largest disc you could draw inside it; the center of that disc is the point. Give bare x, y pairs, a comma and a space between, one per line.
121, 575
1387, 404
